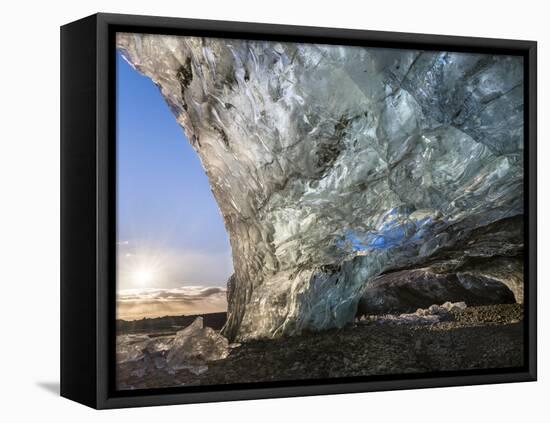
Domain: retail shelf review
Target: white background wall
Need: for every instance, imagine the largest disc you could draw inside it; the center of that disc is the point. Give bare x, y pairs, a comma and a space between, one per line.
29, 211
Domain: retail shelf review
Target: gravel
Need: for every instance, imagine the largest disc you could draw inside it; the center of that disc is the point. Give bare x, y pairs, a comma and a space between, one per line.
482, 337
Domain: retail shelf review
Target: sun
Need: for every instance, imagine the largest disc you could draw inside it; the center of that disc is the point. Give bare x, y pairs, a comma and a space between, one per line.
143, 276
141, 268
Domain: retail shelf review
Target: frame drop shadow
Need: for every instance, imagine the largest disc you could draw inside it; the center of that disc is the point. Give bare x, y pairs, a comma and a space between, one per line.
50, 387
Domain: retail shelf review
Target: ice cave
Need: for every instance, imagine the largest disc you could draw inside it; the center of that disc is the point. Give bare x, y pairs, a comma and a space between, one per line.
346, 175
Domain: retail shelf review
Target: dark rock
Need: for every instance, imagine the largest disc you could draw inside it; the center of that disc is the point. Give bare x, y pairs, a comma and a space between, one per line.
406, 291
168, 324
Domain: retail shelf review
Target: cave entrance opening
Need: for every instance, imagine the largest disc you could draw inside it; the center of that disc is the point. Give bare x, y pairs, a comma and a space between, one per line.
171, 237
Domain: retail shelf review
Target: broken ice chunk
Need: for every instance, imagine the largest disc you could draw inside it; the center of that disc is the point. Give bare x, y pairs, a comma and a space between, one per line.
130, 347
159, 345
431, 315
196, 345
459, 306
198, 370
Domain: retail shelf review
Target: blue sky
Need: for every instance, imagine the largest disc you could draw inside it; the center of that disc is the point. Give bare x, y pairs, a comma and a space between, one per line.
168, 222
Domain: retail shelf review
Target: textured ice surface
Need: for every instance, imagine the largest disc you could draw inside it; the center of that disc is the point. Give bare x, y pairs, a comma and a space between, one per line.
130, 347
333, 164
195, 346
428, 316
192, 348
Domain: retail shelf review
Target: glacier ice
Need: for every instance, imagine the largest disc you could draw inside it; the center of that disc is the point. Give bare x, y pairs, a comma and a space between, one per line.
422, 316
195, 346
332, 164
191, 348
130, 347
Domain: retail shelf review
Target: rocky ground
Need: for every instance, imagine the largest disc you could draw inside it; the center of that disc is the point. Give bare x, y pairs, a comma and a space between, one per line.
474, 338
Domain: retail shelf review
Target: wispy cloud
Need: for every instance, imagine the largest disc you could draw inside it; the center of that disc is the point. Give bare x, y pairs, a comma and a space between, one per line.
135, 304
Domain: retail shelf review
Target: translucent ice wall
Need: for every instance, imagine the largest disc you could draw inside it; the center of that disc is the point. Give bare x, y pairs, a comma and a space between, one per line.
333, 164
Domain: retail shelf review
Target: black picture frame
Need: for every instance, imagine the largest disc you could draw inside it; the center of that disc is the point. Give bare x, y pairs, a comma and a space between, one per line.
88, 209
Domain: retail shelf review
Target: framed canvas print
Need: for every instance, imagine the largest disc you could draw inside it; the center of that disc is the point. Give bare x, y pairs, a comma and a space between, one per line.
254, 211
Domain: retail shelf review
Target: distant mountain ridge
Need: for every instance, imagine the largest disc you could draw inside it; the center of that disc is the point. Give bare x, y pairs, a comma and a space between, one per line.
168, 323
